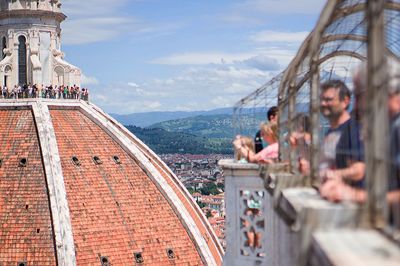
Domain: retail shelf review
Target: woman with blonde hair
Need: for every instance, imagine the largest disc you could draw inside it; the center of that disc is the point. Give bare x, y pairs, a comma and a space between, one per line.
269, 132
248, 143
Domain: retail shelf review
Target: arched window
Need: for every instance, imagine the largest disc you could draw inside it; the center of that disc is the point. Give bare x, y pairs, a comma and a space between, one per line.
7, 73
22, 60
59, 75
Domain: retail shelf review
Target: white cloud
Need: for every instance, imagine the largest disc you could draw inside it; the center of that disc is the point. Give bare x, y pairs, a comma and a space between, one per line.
201, 58
100, 20
283, 56
222, 101
211, 79
133, 84
245, 13
89, 30
206, 83
92, 7
269, 36
152, 105
281, 6
196, 88
237, 73
86, 80
262, 62
257, 12
94, 20
236, 18
264, 59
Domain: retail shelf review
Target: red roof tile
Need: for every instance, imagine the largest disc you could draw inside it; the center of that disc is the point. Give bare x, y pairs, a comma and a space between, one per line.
186, 199
115, 208
26, 233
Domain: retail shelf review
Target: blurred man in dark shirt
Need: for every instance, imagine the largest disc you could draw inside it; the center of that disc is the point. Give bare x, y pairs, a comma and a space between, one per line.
272, 116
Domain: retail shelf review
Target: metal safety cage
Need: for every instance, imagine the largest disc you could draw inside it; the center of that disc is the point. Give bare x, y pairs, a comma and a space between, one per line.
347, 33
251, 111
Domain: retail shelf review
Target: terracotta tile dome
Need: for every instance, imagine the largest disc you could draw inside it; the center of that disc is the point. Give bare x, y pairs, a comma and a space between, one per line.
77, 188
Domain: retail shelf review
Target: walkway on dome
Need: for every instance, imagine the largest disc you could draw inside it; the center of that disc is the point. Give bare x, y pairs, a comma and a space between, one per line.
46, 92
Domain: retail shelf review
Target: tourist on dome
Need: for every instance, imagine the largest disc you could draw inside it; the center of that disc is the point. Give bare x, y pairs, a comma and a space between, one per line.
30, 91
34, 91
20, 91
85, 94
248, 143
342, 151
65, 92
300, 141
15, 92
335, 190
4, 92
269, 132
272, 116
9, 92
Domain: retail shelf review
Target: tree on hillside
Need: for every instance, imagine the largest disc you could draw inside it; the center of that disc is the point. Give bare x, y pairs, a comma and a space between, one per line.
191, 190
209, 188
201, 204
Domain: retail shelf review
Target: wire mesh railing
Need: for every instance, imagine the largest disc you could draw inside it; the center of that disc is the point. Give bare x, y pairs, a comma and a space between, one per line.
335, 124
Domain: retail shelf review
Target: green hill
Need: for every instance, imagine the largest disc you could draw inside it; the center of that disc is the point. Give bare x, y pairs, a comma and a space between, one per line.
203, 134
213, 126
162, 141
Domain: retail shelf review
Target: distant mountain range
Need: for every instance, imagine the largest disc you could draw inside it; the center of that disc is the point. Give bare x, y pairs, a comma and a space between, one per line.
199, 132
150, 118
209, 126
202, 134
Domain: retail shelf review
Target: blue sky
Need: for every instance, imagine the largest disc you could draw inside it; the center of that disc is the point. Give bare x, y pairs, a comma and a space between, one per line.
170, 55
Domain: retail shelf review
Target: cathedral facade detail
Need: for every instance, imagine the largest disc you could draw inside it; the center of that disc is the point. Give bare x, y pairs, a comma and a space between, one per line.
30, 44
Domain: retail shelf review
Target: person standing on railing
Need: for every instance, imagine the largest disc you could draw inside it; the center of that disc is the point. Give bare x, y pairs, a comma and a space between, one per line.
39, 90
15, 92
30, 91
86, 94
64, 92
4, 92
19, 91
272, 116
34, 91
25, 91
56, 91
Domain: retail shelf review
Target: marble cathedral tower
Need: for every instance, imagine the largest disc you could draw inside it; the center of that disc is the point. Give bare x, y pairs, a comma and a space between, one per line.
30, 42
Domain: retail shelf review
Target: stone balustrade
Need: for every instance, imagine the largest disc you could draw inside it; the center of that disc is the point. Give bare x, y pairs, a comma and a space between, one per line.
274, 217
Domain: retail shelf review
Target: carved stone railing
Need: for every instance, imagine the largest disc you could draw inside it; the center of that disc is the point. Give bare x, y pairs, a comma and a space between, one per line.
302, 211
249, 213
271, 215
246, 206
353, 247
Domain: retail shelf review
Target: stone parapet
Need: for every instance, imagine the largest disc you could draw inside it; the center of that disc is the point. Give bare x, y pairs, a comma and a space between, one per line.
12, 14
279, 209
353, 247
